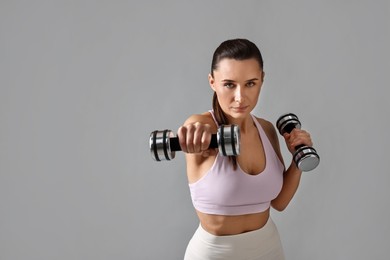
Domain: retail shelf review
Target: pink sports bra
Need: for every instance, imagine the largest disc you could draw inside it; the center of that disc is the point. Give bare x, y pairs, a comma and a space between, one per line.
225, 191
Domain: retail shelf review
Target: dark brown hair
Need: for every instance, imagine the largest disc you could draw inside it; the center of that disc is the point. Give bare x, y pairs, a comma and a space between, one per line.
238, 49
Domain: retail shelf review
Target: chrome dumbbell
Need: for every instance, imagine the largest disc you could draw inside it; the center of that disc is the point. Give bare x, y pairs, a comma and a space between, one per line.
305, 157
163, 144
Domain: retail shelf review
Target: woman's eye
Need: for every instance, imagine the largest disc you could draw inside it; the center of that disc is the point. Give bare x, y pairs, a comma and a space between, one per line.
229, 85
251, 84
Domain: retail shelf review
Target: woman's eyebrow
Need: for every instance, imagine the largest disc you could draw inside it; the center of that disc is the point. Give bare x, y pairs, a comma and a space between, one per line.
231, 81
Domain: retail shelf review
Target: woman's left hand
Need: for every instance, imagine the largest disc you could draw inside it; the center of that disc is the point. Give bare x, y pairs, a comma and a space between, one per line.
297, 137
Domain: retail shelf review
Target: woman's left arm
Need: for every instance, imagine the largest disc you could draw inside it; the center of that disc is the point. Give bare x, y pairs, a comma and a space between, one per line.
292, 175
291, 179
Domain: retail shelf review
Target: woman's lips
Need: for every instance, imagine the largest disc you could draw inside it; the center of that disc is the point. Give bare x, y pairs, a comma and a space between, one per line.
239, 109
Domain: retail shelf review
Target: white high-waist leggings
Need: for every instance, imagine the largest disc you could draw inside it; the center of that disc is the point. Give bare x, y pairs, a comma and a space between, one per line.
261, 244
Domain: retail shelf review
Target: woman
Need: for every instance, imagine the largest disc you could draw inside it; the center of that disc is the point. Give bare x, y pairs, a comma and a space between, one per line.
233, 195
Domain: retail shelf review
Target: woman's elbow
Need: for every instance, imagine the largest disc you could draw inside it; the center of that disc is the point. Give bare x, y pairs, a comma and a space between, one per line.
278, 206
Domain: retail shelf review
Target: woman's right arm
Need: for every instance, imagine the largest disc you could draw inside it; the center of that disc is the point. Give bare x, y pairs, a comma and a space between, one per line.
194, 138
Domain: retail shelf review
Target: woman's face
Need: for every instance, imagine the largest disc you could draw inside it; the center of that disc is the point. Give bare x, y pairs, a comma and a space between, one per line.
237, 84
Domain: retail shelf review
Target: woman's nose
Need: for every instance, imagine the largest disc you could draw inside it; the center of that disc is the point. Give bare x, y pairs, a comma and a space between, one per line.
238, 95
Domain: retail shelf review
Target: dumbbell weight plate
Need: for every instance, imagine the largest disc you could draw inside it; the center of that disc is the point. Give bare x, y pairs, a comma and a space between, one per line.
287, 122
306, 158
228, 137
159, 143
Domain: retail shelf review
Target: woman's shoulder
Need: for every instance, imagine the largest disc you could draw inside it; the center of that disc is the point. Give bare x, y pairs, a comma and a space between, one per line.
269, 130
203, 118
267, 126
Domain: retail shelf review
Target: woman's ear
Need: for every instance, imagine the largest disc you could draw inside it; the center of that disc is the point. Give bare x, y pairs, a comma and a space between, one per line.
211, 82
262, 76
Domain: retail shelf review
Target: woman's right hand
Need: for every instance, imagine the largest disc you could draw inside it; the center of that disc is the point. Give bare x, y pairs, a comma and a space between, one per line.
195, 138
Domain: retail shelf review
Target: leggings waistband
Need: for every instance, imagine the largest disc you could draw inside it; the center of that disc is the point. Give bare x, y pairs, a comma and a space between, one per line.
254, 236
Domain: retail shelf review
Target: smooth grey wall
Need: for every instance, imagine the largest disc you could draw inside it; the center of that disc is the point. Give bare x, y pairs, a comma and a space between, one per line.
83, 83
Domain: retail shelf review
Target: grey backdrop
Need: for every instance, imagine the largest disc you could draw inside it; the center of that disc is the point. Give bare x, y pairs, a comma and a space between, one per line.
83, 83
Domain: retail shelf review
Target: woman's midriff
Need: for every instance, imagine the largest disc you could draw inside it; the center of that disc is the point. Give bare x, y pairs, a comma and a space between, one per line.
220, 225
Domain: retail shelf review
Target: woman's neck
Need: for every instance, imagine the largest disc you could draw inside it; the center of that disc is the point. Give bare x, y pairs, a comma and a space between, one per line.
245, 124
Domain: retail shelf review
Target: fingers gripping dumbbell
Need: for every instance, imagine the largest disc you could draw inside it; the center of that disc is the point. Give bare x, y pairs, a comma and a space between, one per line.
163, 144
305, 157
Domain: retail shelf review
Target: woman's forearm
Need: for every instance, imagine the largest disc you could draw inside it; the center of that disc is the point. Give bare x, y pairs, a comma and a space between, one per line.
291, 179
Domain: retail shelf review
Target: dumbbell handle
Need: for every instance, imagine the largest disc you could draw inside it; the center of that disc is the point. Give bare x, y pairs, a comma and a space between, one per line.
287, 123
288, 128
175, 145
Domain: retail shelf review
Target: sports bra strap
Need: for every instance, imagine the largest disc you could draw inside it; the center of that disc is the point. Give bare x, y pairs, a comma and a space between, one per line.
212, 114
